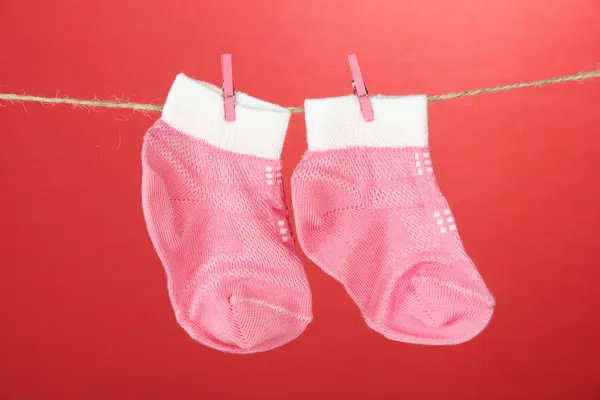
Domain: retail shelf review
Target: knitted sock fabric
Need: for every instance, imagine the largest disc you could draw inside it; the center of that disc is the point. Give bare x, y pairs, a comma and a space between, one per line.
214, 206
369, 212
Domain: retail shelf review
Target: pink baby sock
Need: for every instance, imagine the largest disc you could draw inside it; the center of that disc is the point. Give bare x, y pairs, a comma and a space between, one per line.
369, 212
214, 207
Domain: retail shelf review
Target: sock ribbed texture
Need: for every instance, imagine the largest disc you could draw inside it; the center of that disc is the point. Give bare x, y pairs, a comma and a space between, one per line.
215, 210
369, 212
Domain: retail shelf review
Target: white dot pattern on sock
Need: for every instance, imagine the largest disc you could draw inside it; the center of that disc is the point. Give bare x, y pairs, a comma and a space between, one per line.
284, 231
445, 223
426, 163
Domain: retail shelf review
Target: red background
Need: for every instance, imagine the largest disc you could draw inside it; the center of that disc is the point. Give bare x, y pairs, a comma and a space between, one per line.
83, 298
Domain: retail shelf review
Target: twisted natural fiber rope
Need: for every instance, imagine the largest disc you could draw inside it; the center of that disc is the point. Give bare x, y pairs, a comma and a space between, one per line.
155, 108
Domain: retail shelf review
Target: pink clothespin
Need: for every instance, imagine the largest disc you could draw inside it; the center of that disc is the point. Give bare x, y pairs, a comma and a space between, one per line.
228, 89
360, 90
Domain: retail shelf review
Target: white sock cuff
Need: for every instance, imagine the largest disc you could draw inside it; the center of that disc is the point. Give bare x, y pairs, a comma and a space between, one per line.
197, 108
337, 122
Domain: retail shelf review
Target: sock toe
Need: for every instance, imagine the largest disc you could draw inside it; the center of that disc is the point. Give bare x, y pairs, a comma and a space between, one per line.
262, 325
435, 304
246, 315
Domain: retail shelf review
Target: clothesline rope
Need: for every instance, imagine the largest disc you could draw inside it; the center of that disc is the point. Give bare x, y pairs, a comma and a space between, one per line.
96, 103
